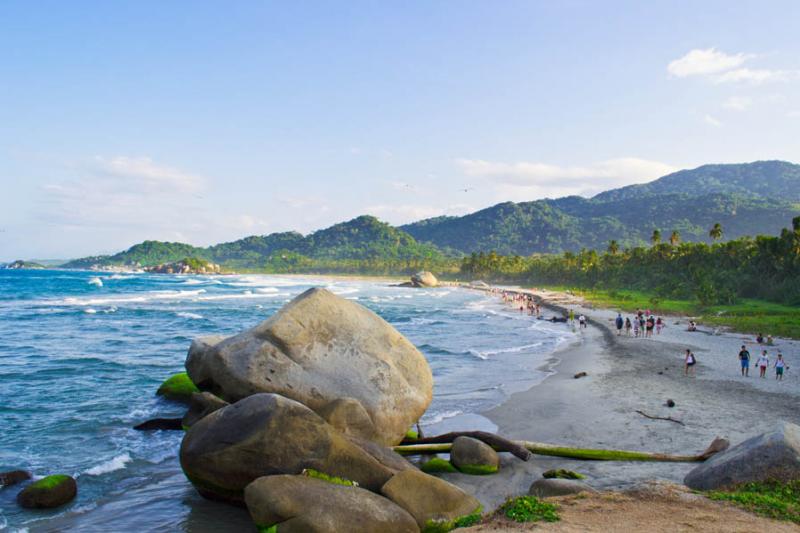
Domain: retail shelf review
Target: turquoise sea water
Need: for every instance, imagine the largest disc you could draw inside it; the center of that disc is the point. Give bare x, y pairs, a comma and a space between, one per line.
81, 355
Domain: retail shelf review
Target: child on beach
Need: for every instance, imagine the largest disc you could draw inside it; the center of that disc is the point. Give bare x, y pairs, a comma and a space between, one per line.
762, 364
659, 326
635, 327
582, 321
744, 359
628, 326
780, 364
689, 362
619, 323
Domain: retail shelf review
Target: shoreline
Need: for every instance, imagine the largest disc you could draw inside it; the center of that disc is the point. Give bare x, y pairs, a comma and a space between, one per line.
625, 375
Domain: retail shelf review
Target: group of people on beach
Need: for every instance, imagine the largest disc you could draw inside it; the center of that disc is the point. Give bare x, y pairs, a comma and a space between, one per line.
762, 363
525, 301
642, 325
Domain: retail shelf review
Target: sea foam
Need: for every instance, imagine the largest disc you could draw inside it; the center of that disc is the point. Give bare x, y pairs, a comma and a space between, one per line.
117, 463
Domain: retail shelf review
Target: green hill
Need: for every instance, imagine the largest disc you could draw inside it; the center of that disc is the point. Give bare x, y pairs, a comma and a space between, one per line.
747, 199
362, 243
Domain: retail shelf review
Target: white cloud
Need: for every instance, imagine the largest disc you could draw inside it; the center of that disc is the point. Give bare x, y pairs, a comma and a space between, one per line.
738, 103
711, 121
755, 76
129, 199
536, 179
702, 62
720, 67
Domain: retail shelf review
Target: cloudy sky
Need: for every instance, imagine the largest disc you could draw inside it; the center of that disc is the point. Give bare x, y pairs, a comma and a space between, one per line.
208, 121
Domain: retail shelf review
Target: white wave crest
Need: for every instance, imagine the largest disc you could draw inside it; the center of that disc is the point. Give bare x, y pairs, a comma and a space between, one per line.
96, 281
439, 417
186, 314
117, 463
514, 349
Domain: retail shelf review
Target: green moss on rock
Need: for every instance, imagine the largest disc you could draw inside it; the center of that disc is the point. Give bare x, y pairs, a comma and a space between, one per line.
443, 526
267, 529
330, 479
411, 434
178, 388
529, 509
437, 465
478, 470
562, 473
50, 482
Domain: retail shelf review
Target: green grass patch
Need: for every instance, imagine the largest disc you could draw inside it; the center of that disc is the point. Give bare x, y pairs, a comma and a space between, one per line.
443, 526
308, 472
478, 470
49, 482
772, 499
746, 316
178, 387
562, 474
530, 509
437, 465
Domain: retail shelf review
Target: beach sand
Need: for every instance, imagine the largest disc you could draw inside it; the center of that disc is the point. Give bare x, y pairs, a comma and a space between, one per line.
630, 374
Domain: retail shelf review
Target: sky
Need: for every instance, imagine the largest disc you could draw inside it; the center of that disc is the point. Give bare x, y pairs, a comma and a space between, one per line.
205, 122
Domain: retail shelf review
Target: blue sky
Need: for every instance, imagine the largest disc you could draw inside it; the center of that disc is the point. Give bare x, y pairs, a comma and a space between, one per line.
208, 121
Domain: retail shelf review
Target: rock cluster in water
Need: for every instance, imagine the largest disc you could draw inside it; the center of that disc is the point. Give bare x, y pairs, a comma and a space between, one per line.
317, 394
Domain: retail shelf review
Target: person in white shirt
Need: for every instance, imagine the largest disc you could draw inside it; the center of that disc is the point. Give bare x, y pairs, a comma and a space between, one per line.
762, 363
780, 364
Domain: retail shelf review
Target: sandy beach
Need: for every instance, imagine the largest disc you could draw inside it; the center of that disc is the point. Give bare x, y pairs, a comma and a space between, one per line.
626, 374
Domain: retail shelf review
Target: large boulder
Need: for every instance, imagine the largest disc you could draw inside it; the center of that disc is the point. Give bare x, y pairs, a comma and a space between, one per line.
424, 279
773, 455
348, 416
430, 500
264, 435
549, 487
48, 492
472, 456
307, 505
317, 349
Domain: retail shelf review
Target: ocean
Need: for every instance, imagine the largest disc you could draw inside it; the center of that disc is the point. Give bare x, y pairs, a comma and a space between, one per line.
82, 354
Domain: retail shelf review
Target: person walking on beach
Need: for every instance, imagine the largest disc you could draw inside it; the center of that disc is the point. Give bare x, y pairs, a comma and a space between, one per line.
619, 323
780, 364
689, 362
628, 326
744, 359
659, 326
571, 316
763, 363
582, 321
636, 327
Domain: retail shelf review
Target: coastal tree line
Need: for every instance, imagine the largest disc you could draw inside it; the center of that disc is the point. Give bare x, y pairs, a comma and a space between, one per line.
765, 267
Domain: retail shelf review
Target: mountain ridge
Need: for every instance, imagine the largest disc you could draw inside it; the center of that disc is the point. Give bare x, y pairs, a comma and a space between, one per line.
746, 198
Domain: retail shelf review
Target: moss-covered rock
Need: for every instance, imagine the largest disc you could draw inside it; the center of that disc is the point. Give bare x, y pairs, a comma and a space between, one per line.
562, 473
474, 457
438, 465
48, 492
178, 388
430, 500
443, 526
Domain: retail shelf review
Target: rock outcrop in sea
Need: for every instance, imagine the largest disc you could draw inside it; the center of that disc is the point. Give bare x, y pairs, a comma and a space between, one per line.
332, 355
318, 392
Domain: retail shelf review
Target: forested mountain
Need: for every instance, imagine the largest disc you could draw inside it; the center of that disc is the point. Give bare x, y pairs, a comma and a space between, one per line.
345, 246
747, 199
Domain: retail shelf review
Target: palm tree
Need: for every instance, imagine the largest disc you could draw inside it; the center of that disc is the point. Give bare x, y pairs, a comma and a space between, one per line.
656, 237
613, 247
716, 232
674, 238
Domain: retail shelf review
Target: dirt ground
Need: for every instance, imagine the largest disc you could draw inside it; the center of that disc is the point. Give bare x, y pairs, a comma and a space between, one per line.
663, 508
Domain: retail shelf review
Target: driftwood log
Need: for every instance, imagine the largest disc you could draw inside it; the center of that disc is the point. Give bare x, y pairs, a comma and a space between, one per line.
668, 418
497, 442
589, 454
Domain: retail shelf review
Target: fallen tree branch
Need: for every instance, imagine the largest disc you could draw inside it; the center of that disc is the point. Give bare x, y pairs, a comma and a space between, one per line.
588, 454
651, 417
497, 442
